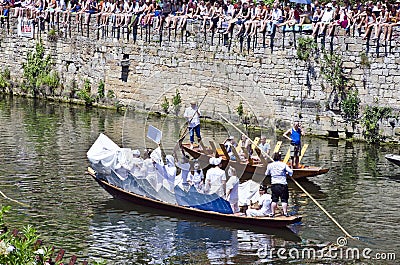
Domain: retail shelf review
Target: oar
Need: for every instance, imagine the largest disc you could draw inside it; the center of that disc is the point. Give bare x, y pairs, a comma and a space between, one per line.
303, 151
185, 132
322, 208
243, 134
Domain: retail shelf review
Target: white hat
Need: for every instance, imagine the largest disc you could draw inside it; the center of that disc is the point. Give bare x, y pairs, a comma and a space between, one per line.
217, 161
329, 5
136, 152
231, 137
193, 102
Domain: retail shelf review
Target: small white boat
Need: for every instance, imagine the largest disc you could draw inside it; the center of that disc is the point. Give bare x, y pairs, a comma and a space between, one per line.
393, 158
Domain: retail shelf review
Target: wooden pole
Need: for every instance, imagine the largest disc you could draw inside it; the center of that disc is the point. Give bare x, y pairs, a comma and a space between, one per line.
322, 208
244, 134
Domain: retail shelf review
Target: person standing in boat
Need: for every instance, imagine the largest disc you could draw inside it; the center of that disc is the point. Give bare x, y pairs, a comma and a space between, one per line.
215, 178
295, 142
262, 207
196, 177
278, 171
192, 114
167, 172
232, 189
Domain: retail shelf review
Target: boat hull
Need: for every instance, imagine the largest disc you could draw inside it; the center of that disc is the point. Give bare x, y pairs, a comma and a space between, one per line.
248, 170
116, 192
395, 159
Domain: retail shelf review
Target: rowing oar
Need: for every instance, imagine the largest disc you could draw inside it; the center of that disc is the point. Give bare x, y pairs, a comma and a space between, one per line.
322, 208
246, 136
8, 198
185, 132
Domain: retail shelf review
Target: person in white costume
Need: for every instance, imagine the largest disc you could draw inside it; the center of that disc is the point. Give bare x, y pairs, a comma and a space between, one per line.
168, 171
232, 190
215, 178
196, 177
263, 205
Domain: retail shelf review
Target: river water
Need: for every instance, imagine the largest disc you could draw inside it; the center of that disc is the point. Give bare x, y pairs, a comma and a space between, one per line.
43, 149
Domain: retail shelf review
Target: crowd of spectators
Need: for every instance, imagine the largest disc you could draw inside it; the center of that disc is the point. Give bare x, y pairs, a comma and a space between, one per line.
240, 18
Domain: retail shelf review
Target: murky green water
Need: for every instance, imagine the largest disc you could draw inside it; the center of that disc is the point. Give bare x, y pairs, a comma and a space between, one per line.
43, 149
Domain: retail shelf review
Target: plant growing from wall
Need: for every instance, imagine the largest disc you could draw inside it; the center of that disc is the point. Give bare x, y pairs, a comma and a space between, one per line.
176, 102
37, 67
370, 122
305, 49
343, 97
85, 93
100, 90
5, 79
350, 107
110, 94
240, 109
52, 35
165, 105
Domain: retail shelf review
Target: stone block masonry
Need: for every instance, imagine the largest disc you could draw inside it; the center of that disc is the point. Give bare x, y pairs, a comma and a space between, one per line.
274, 86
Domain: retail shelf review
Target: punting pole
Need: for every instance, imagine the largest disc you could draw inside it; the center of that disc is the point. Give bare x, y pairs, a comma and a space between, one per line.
185, 131
8, 198
244, 134
308, 194
322, 208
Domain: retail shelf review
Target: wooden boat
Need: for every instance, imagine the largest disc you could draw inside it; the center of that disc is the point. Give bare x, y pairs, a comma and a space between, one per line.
395, 159
117, 192
247, 169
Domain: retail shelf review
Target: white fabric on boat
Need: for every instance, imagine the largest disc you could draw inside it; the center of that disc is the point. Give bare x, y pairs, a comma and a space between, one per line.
247, 190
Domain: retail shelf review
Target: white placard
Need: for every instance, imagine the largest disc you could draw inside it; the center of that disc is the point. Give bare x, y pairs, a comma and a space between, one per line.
25, 27
154, 134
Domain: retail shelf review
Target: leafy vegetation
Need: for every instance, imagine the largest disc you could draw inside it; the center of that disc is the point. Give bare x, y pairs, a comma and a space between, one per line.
52, 35
5, 79
240, 109
305, 48
176, 102
110, 94
100, 90
85, 93
370, 121
343, 93
37, 71
23, 248
165, 105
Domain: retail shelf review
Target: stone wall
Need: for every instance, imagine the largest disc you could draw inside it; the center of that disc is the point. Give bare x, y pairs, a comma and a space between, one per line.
271, 84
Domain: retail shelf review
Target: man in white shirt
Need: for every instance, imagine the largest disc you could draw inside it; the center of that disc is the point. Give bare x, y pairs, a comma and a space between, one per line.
215, 178
278, 172
192, 114
263, 205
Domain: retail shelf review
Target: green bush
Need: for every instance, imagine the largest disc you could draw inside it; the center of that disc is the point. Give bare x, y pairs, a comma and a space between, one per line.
85, 93
4, 79
37, 67
100, 90
165, 105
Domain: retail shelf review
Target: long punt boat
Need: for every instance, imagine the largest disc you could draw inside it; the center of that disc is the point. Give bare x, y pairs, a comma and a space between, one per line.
114, 169
119, 193
249, 169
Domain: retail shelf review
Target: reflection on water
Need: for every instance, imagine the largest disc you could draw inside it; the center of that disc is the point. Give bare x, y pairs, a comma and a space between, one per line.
43, 149
121, 231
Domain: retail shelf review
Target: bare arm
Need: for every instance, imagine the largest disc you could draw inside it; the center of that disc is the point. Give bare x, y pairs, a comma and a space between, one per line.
286, 134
